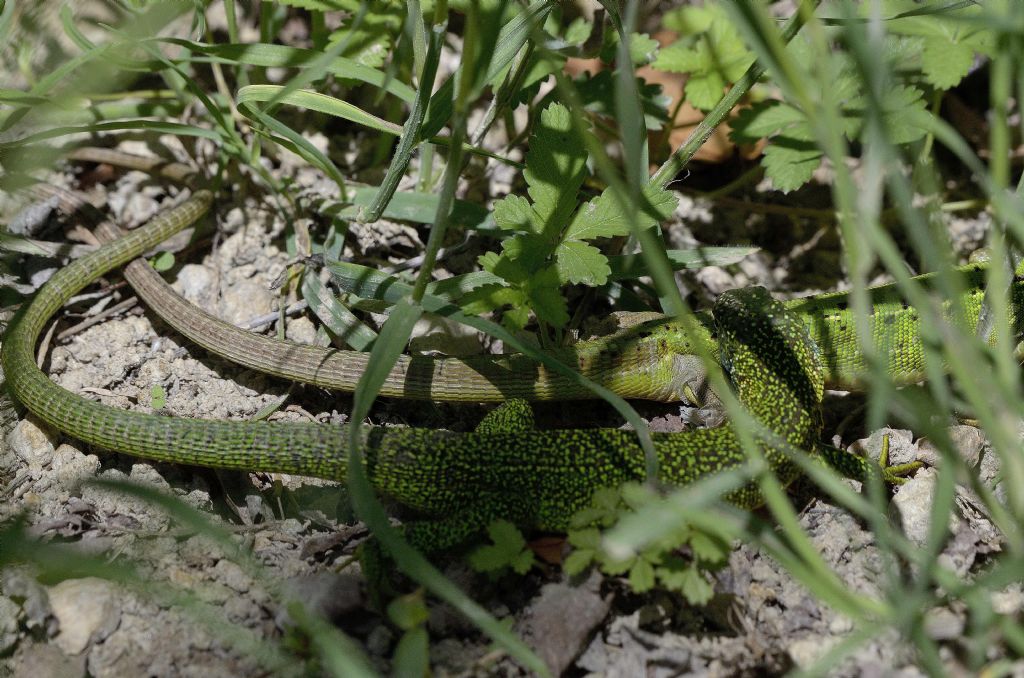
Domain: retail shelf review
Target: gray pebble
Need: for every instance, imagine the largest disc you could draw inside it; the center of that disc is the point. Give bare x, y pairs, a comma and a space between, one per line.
967, 440
9, 611
558, 623
913, 505
901, 446
300, 330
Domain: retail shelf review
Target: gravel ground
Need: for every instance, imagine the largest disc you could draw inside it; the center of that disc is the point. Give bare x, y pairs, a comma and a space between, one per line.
761, 620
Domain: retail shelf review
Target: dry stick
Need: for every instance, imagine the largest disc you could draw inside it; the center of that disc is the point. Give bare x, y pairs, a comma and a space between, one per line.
99, 317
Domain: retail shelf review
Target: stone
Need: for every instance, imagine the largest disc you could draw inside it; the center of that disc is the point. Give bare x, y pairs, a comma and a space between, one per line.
901, 446
560, 620
232, 576
72, 467
1008, 602
437, 334
912, 504
245, 300
33, 444
967, 440
8, 624
196, 282
43, 659
300, 330
941, 623
86, 611
806, 651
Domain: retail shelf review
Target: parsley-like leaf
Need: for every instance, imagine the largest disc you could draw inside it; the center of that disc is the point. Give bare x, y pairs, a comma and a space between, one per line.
507, 550
580, 263
603, 217
555, 167
711, 52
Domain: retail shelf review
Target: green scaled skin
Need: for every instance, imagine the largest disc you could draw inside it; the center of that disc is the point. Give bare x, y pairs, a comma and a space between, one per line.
542, 478
893, 326
459, 482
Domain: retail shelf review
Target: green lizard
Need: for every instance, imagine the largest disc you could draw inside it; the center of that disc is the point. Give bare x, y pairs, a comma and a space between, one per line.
459, 482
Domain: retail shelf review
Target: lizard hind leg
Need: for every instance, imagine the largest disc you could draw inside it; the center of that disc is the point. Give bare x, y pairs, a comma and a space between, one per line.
512, 416
442, 534
455, 529
858, 468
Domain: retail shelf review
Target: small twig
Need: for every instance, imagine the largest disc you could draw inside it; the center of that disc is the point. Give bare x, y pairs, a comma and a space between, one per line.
98, 318
416, 261
44, 345
261, 321
89, 296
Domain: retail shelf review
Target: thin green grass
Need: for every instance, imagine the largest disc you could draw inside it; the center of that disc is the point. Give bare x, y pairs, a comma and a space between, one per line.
501, 42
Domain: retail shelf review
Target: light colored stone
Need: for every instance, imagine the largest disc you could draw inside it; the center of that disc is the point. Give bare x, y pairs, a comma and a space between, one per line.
544, 623
8, 624
1009, 601
245, 300
231, 575
967, 440
72, 467
35, 660
913, 505
86, 610
901, 446
144, 474
805, 651
943, 624
33, 444
300, 330
196, 283
436, 334
840, 624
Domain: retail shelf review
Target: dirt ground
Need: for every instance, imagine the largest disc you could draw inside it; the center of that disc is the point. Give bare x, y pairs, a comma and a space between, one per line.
300, 532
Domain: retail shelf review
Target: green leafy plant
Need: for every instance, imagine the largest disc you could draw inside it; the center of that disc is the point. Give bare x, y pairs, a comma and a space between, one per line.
157, 397
368, 31
931, 48
941, 41
551, 244
678, 561
710, 51
412, 652
507, 550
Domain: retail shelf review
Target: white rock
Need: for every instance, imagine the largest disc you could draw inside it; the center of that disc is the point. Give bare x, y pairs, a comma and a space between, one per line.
8, 624
806, 651
86, 611
967, 440
72, 467
300, 330
232, 576
941, 623
901, 445
33, 444
244, 300
444, 336
144, 474
196, 283
1009, 601
913, 505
